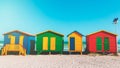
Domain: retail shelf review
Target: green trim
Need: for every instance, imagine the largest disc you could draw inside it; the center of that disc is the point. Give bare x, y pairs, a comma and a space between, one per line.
106, 44
99, 43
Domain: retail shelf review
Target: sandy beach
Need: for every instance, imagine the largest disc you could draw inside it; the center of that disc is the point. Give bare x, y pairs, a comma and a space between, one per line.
59, 61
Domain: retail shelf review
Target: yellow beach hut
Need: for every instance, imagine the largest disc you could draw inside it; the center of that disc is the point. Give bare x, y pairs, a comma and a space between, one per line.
75, 42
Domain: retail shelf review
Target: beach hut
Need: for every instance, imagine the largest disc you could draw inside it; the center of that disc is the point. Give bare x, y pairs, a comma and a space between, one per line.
75, 42
102, 41
49, 41
16, 40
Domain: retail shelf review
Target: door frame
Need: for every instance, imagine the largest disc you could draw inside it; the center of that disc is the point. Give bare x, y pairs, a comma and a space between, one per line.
108, 43
45, 42
70, 44
101, 43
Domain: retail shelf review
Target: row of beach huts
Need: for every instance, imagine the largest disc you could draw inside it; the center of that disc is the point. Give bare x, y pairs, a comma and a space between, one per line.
50, 41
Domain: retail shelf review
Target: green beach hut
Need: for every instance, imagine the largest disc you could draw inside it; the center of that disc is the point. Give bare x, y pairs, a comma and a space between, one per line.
49, 41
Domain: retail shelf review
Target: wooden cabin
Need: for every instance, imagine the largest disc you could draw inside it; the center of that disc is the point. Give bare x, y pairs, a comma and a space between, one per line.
102, 41
49, 41
75, 42
24, 40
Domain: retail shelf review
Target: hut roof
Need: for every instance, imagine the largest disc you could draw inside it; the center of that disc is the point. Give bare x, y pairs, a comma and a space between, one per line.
51, 32
102, 31
18, 32
75, 32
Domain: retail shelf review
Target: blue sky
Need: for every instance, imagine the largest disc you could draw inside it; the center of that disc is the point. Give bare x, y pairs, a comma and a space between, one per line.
63, 16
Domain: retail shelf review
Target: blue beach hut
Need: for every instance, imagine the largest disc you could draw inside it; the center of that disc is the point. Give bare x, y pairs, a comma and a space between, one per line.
28, 40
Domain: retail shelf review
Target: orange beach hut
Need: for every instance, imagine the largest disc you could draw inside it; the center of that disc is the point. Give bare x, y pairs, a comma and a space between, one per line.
75, 42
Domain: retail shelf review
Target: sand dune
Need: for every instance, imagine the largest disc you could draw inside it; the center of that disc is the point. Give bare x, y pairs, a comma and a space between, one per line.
59, 61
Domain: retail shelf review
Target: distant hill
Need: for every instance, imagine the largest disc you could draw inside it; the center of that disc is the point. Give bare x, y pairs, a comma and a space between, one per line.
1, 41
66, 42
119, 41
84, 42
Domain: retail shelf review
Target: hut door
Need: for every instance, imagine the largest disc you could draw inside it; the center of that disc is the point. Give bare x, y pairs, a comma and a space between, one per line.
106, 43
99, 43
32, 46
72, 43
52, 43
45, 43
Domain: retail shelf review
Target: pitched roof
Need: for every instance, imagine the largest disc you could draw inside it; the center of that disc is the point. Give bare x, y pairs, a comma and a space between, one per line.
102, 31
19, 32
51, 32
75, 32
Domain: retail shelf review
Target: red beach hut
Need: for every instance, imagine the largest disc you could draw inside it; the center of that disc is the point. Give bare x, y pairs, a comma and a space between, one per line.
102, 41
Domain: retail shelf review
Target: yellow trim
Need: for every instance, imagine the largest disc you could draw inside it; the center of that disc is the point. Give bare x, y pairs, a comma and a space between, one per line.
21, 40
52, 43
45, 43
12, 39
100, 31
13, 47
50, 31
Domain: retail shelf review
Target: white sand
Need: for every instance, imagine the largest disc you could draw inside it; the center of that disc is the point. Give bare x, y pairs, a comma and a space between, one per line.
59, 61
